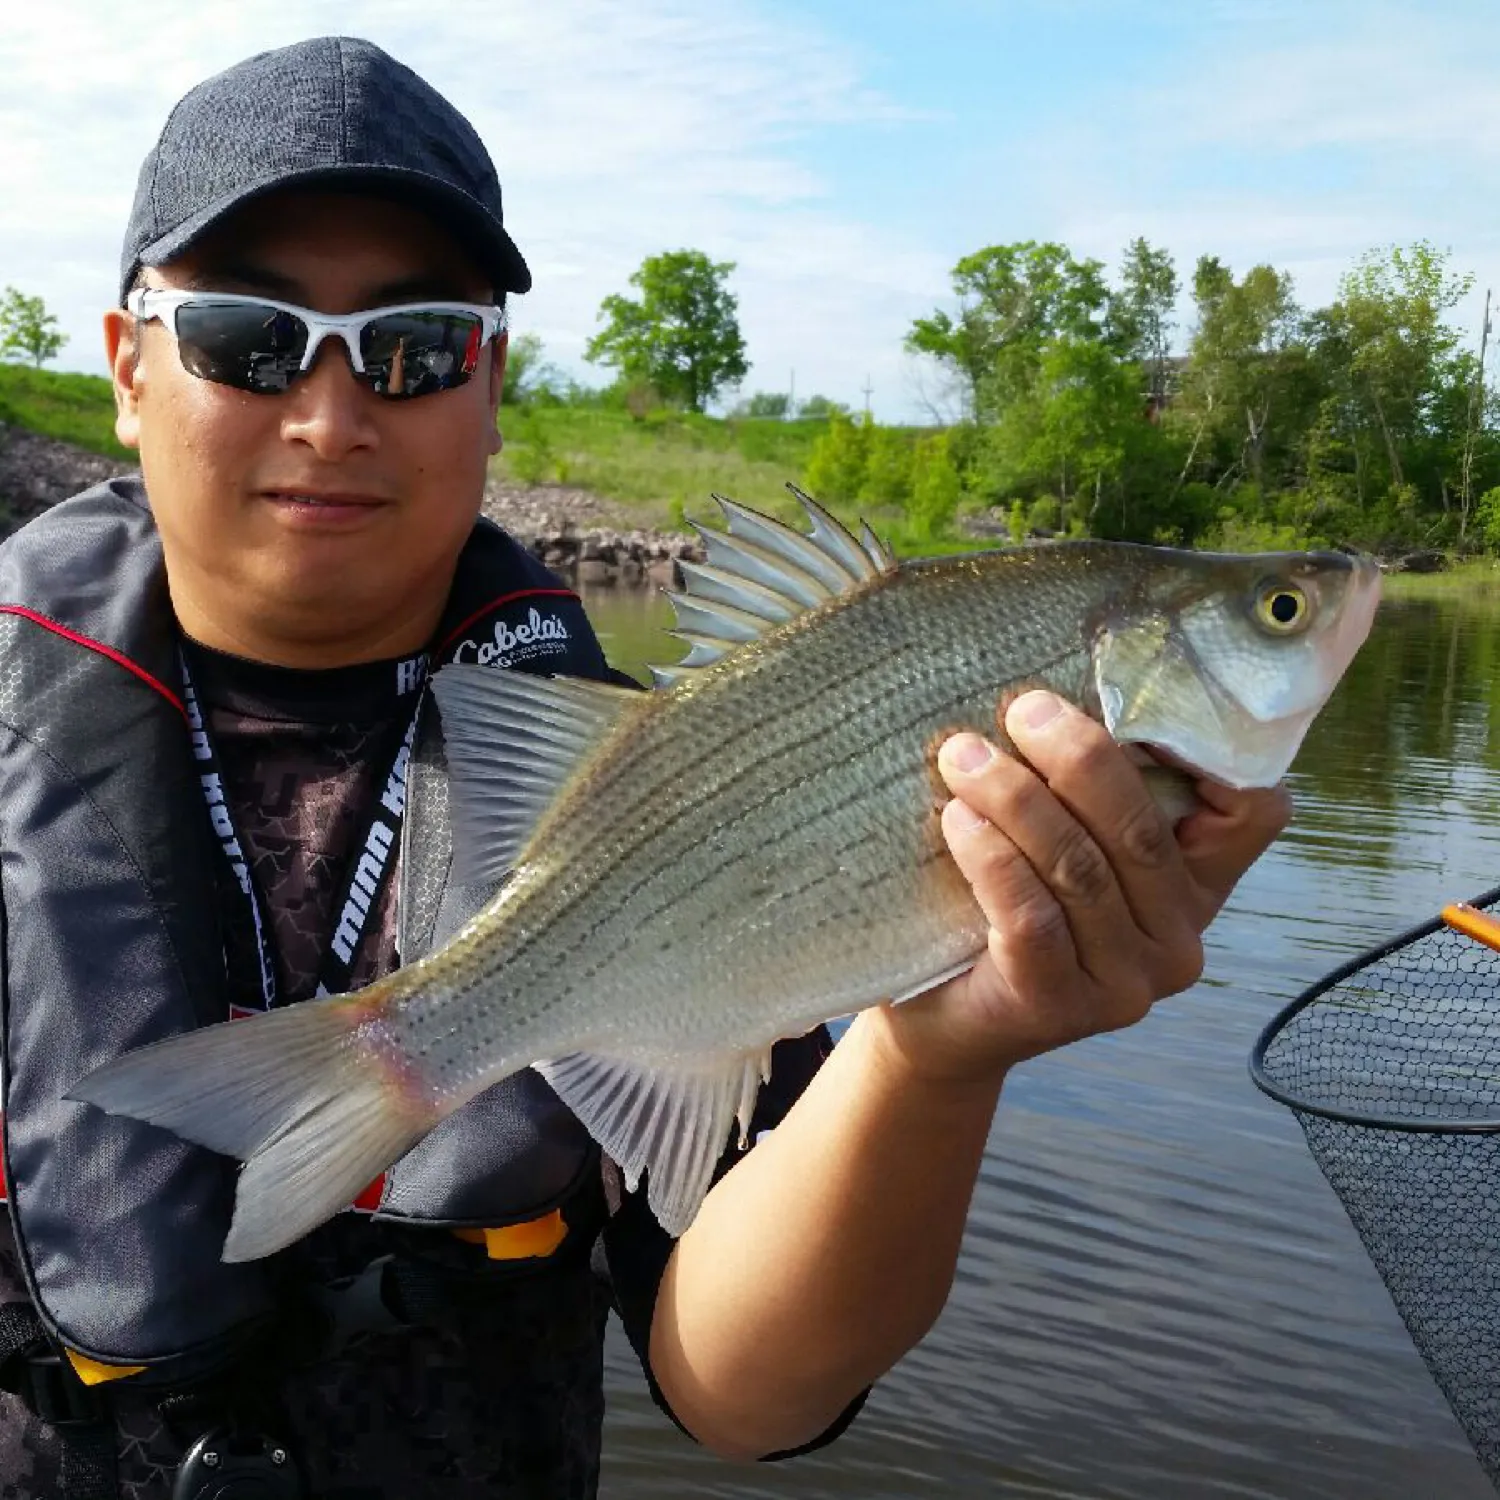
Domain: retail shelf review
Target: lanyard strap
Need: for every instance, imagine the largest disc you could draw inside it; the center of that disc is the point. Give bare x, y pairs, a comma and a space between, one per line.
370, 864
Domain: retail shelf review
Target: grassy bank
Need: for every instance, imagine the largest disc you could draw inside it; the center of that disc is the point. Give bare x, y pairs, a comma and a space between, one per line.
73, 408
1472, 574
667, 463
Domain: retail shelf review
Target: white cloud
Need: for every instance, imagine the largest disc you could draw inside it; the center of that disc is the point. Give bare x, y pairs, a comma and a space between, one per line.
618, 131
1300, 135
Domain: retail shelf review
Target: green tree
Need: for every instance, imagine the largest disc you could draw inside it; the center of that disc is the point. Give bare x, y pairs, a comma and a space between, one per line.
1071, 434
888, 467
1013, 300
27, 329
772, 404
1398, 383
682, 335
1247, 395
1141, 314
937, 487
821, 408
528, 375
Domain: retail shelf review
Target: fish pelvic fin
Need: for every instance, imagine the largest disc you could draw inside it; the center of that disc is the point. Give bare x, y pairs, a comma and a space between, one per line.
667, 1120
307, 1097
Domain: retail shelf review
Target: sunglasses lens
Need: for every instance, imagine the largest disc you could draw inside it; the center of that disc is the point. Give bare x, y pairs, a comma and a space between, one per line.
251, 346
418, 353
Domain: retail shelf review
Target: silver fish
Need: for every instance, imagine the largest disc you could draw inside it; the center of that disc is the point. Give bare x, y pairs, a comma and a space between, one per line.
749, 850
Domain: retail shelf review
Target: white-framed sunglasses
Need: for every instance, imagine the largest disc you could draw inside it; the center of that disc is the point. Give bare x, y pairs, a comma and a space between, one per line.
256, 344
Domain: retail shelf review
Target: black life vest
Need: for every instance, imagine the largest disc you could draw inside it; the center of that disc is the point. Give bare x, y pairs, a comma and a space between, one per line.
110, 938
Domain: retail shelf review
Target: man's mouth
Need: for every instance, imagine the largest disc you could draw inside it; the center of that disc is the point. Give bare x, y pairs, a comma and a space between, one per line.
324, 505
309, 497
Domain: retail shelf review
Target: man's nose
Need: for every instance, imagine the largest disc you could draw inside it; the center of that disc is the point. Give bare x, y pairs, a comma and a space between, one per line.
328, 408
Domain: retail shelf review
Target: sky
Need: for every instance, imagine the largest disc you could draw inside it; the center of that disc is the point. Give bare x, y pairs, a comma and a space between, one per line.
843, 154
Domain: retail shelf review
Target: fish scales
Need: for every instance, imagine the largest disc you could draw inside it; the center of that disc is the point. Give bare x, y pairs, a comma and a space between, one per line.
659, 864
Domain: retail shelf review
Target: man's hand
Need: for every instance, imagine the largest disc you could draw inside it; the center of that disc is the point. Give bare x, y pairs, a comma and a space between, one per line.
1096, 908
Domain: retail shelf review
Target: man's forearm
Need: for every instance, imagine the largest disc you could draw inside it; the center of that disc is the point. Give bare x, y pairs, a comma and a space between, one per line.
825, 1254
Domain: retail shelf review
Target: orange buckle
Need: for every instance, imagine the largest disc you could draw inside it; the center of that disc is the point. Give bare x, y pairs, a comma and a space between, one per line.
532, 1239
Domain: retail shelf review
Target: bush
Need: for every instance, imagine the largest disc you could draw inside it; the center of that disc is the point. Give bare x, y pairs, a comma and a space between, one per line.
888, 468
1045, 515
836, 469
1487, 518
936, 489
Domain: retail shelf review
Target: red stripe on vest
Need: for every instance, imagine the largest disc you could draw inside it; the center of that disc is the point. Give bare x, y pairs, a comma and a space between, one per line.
99, 646
369, 1200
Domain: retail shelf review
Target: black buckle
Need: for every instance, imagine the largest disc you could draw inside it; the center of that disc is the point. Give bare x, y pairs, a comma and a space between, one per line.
355, 1307
223, 1465
50, 1387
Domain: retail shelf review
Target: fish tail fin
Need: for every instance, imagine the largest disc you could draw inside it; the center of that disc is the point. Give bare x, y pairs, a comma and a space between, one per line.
312, 1099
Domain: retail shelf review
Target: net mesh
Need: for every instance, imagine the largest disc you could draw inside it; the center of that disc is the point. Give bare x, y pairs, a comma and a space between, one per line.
1392, 1065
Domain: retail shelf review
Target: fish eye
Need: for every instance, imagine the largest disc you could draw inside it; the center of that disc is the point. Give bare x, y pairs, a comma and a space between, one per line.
1281, 607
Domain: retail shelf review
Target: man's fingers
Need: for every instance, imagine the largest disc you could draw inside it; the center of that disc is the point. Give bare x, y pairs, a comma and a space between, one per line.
1081, 886
1108, 796
1031, 943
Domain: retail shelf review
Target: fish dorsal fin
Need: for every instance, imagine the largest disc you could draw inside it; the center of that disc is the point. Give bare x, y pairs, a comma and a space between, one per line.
759, 574
655, 1115
512, 739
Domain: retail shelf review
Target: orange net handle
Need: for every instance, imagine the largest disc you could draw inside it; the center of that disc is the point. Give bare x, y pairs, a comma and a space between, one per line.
1472, 922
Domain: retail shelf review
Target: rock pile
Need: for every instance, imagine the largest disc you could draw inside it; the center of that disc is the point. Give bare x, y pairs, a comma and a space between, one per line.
36, 472
579, 534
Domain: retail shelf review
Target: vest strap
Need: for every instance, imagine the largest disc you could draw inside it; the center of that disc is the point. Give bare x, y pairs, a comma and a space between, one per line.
49, 1388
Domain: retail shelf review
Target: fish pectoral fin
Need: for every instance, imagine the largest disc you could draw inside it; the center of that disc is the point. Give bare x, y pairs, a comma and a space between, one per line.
666, 1120
512, 739
314, 1116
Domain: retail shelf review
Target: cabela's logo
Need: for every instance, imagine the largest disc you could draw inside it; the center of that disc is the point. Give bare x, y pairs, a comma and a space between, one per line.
537, 635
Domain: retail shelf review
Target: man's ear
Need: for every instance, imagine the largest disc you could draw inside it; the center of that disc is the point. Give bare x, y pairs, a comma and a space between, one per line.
498, 352
122, 334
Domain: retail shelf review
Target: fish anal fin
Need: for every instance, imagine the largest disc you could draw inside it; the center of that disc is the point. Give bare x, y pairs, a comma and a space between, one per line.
512, 739
670, 1121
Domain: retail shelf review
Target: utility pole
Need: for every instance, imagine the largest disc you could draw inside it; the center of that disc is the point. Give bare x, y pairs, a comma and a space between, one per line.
868, 389
1476, 416
791, 395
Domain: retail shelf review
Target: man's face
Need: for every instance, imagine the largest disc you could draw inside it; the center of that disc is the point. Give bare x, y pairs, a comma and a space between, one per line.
326, 511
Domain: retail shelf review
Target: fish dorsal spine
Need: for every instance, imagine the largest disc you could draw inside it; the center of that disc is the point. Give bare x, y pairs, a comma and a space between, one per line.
760, 574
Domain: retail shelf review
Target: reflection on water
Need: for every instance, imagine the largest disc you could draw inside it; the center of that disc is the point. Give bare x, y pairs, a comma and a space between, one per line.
1159, 1297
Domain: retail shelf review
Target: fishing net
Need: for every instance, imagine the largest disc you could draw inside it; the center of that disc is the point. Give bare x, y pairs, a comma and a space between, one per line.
1392, 1065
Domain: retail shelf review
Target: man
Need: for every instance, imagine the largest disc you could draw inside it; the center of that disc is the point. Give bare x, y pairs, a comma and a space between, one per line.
212, 737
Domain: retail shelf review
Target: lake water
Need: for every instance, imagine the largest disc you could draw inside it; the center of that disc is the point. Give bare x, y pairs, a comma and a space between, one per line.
1159, 1296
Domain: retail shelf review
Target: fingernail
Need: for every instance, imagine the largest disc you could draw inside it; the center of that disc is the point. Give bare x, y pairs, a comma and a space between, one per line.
963, 817
967, 752
1035, 710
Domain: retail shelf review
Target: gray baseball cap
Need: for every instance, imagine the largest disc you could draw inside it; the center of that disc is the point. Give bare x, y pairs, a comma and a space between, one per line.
331, 111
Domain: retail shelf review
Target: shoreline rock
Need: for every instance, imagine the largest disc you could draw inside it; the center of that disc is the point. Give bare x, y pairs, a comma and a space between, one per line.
582, 535
36, 472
